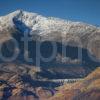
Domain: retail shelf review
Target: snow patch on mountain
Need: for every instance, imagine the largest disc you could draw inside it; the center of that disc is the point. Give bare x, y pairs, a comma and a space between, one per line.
49, 27
44, 25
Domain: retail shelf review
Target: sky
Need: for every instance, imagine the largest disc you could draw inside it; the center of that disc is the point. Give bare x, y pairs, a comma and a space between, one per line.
87, 11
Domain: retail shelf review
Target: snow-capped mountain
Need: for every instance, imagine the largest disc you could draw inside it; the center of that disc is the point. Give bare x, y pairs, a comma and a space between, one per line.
26, 76
50, 28
45, 25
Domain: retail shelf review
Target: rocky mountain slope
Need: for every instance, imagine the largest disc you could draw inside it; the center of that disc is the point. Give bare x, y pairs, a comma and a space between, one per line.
21, 78
22, 86
80, 40
50, 28
20, 82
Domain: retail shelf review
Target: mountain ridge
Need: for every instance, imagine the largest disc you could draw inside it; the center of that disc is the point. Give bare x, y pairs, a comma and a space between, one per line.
22, 78
44, 22
53, 29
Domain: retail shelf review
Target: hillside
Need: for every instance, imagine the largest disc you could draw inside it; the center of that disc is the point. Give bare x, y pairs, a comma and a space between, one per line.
79, 40
88, 89
73, 49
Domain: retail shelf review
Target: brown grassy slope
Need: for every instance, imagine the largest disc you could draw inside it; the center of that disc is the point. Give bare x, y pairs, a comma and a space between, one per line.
88, 89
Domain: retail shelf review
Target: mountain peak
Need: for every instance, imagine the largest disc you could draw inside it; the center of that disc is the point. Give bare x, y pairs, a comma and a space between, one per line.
17, 12
43, 25
20, 13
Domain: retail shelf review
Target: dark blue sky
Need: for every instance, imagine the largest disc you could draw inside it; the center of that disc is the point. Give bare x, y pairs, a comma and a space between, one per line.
78, 10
